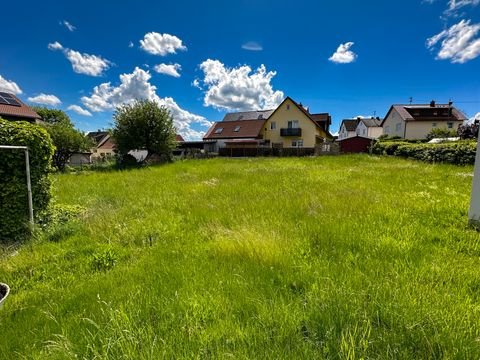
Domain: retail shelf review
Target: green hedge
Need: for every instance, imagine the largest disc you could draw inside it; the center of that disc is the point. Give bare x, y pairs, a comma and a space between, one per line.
13, 189
458, 153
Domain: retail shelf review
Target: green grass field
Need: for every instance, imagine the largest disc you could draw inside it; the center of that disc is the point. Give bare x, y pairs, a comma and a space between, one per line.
336, 257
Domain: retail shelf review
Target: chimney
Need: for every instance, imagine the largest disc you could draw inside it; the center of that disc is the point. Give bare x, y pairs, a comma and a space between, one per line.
432, 103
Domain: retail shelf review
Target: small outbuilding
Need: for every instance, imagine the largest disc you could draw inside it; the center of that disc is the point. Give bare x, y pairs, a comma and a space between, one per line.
355, 144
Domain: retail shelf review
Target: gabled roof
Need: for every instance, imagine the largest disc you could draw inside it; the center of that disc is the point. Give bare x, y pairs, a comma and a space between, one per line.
19, 110
106, 143
97, 136
350, 124
248, 115
372, 122
226, 129
322, 117
179, 138
427, 112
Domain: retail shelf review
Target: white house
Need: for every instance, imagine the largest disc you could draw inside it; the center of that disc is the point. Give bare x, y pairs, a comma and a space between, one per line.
348, 128
369, 128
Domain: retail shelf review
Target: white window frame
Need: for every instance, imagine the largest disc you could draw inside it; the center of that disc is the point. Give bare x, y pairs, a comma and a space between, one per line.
273, 125
297, 143
293, 124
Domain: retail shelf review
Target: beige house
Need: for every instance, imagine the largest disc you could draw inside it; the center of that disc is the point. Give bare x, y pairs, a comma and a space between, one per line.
417, 121
104, 145
348, 129
369, 127
290, 125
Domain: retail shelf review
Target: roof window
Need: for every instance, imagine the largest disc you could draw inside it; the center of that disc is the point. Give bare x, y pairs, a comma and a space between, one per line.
219, 131
237, 129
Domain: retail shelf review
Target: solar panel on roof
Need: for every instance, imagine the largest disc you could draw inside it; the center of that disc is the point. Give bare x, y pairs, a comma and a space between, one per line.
3, 101
4, 94
12, 101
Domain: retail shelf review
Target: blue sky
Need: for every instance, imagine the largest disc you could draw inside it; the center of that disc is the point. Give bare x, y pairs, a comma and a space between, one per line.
348, 58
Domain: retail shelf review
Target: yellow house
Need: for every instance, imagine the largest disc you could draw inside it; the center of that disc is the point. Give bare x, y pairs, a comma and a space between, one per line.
290, 125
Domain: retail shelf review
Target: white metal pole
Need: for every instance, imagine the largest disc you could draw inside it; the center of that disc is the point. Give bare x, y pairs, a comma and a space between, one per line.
474, 214
29, 188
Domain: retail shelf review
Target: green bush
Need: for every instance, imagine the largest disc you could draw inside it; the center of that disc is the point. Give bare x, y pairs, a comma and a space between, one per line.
458, 153
104, 260
13, 188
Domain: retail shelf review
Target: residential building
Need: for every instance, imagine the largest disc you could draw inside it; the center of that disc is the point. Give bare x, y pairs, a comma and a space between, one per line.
417, 121
290, 125
104, 145
369, 127
13, 109
348, 128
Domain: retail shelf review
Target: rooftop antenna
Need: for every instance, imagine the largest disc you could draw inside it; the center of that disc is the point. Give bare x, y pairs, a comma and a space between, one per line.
374, 113
410, 100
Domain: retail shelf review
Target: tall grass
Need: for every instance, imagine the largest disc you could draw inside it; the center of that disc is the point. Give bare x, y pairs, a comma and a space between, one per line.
344, 257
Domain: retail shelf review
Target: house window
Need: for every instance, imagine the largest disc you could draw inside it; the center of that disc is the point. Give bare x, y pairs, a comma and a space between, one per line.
297, 143
293, 124
219, 131
237, 129
450, 125
387, 129
273, 125
288, 106
398, 127
363, 132
434, 125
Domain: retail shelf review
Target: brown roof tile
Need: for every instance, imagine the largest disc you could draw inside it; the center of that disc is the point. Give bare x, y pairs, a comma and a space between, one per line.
21, 112
245, 129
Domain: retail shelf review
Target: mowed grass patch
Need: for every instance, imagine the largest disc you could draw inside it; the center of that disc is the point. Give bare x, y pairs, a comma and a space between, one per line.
334, 257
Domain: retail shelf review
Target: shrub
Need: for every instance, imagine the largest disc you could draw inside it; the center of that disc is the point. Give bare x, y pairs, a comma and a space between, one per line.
441, 133
458, 153
13, 190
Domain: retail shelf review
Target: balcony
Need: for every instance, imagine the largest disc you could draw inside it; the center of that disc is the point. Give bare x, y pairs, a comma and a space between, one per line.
291, 132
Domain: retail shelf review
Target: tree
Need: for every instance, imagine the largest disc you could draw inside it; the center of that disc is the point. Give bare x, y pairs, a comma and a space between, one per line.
65, 137
144, 125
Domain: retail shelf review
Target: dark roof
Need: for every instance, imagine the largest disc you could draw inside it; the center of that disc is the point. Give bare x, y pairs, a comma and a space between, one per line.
372, 122
245, 129
322, 117
21, 112
350, 124
427, 112
97, 136
179, 138
248, 115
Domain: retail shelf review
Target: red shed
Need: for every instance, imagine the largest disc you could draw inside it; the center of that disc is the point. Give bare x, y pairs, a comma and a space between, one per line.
356, 144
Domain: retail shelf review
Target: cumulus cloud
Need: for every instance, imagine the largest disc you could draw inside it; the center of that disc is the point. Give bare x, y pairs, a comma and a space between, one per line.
455, 5
459, 43
87, 64
161, 44
68, 25
252, 46
45, 99
238, 88
9, 86
79, 110
344, 55
136, 85
168, 69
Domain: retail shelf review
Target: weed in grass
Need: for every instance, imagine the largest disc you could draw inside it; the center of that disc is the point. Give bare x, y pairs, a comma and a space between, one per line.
104, 260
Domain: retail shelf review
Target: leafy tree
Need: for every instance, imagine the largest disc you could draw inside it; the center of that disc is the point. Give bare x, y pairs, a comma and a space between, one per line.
144, 125
469, 131
65, 137
441, 133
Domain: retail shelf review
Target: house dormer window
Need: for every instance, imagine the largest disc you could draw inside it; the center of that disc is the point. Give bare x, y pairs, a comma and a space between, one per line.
219, 131
288, 106
237, 129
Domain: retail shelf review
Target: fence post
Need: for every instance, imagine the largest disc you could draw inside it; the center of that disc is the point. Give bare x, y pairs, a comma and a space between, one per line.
474, 214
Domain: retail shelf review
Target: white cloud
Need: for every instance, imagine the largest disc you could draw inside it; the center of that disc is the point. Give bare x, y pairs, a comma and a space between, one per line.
9, 86
130, 44
79, 110
161, 44
238, 88
45, 99
459, 43
344, 55
473, 118
55, 46
68, 25
168, 69
454, 5
87, 64
252, 46
136, 85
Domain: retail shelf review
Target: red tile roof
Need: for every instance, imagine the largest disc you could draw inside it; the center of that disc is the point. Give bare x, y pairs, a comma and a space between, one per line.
179, 138
21, 112
245, 129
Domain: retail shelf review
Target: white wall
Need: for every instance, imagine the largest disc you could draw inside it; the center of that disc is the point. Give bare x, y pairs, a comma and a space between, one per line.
474, 214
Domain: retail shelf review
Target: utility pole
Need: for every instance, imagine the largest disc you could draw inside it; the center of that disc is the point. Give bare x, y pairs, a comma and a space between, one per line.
474, 214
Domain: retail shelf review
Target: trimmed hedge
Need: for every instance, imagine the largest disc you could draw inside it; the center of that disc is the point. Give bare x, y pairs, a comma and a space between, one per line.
13, 188
458, 153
